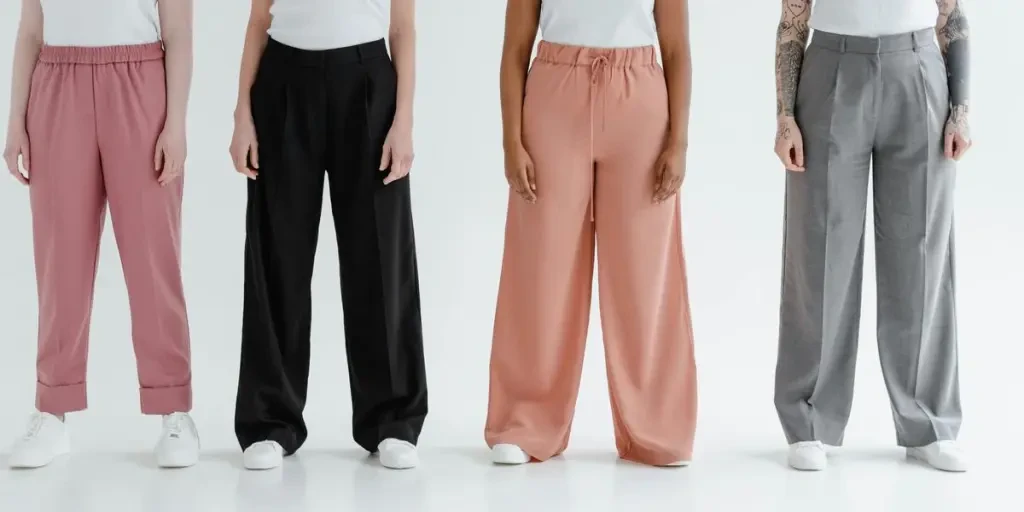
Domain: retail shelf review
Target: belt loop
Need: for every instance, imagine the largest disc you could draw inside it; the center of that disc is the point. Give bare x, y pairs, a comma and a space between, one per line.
842, 45
915, 39
360, 54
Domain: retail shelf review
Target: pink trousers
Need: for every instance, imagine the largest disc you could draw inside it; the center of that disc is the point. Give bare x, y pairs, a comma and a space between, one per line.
94, 117
594, 123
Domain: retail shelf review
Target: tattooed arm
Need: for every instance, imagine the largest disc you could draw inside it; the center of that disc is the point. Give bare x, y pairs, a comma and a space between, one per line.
790, 42
953, 31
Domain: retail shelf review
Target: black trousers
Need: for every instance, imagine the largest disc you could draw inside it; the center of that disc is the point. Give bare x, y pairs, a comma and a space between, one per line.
317, 114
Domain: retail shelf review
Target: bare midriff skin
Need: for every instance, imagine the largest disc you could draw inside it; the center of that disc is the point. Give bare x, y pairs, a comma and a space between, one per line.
791, 40
521, 23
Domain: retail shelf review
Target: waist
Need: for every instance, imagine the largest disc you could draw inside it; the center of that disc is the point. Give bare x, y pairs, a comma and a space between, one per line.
874, 45
344, 55
556, 53
101, 54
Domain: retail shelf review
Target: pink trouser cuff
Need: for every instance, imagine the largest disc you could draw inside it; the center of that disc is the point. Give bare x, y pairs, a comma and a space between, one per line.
58, 400
166, 400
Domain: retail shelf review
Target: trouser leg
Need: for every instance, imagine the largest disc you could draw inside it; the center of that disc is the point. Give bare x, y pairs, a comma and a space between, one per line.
282, 223
131, 108
377, 254
824, 246
645, 313
913, 188
68, 208
543, 309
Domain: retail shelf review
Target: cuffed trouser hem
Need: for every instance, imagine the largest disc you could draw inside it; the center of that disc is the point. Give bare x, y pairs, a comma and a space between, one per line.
166, 400
58, 400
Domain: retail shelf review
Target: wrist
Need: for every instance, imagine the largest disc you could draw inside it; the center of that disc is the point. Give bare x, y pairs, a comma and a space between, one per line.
512, 143
402, 119
174, 124
15, 124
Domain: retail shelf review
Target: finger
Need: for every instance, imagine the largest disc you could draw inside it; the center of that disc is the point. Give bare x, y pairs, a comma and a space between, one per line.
798, 151
393, 175
962, 145
524, 185
531, 177
24, 159
385, 158
158, 159
254, 156
948, 146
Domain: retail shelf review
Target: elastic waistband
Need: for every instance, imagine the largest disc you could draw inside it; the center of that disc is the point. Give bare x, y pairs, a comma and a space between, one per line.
345, 55
874, 45
583, 56
101, 54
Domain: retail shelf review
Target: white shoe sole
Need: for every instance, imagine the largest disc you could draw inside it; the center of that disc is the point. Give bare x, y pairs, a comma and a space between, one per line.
920, 456
63, 448
677, 464
407, 462
508, 455
177, 461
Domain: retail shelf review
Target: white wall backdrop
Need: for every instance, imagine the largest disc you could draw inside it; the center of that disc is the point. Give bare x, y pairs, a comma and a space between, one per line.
733, 197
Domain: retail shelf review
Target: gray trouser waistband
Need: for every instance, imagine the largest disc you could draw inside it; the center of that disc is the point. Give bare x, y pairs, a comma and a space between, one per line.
883, 44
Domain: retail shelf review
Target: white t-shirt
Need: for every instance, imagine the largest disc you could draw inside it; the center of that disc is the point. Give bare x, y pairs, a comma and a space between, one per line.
100, 22
328, 24
872, 18
598, 23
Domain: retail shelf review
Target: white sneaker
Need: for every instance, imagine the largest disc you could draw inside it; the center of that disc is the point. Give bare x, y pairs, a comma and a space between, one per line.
807, 456
508, 454
397, 454
677, 464
45, 439
942, 455
263, 455
178, 446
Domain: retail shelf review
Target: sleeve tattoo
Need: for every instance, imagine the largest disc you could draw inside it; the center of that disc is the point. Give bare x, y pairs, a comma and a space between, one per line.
953, 31
790, 42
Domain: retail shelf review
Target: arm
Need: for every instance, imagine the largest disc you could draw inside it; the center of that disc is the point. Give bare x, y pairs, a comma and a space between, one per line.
26, 51
244, 147
397, 155
176, 30
255, 41
790, 43
521, 21
673, 22
953, 32
402, 38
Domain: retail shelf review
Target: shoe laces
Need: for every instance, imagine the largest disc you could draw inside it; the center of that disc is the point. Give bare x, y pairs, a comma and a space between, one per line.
174, 424
35, 424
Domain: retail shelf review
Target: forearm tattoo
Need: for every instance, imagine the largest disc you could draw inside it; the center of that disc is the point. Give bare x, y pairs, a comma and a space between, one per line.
953, 31
791, 39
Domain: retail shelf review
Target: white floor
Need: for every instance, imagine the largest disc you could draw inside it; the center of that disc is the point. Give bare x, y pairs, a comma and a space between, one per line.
460, 478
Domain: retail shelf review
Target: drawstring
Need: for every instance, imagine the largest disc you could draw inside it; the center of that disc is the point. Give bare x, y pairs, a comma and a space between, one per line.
596, 66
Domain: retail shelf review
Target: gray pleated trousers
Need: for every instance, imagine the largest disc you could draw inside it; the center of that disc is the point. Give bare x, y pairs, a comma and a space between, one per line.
879, 104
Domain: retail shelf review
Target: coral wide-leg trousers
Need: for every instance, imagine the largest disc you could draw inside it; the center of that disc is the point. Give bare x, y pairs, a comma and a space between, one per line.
594, 123
93, 121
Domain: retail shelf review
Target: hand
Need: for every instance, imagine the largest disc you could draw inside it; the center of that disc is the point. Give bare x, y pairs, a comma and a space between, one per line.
244, 150
397, 153
789, 144
169, 160
957, 133
17, 145
669, 172
520, 174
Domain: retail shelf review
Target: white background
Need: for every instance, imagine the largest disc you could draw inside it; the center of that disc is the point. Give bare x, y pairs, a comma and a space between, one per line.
732, 223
